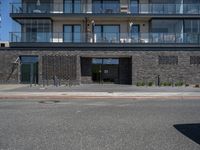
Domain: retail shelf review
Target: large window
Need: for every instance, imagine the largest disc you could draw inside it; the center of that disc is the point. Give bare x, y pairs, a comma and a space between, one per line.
36, 30
192, 30
72, 6
72, 33
191, 6
106, 33
167, 31
105, 6
166, 6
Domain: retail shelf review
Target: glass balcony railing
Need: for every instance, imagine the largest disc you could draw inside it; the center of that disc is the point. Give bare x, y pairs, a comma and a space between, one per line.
141, 38
106, 8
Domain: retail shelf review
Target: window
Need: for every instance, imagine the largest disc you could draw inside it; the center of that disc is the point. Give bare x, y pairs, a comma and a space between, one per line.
105, 6
29, 59
195, 60
105, 61
167, 31
36, 30
134, 6
192, 30
72, 6
72, 33
168, 60
106, 33
191, 6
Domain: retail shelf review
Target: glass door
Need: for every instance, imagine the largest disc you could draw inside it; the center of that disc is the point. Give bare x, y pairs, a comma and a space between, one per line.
29, 69
72, 33
106, 33
135, 33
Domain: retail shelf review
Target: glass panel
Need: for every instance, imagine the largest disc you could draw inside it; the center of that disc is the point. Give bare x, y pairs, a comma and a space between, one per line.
111, 61
134, 6
28, 59
96, 6
98, 34
111, 6
72, 33
97, 61
77, 33
167, 26
68, 6
72, 6
191, 7
111, 33
67, 33
135, 30
105, 6
77, 6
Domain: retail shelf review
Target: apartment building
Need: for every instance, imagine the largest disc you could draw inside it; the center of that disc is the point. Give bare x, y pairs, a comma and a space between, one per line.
103, 41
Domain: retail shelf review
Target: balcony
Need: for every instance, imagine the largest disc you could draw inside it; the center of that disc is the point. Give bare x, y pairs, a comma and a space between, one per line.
114, 38
114, 8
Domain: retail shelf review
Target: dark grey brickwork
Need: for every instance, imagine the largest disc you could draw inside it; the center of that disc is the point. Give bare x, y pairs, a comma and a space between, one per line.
145, 65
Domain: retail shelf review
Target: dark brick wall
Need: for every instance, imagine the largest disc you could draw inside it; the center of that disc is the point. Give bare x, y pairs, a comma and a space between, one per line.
59, 69
145, 66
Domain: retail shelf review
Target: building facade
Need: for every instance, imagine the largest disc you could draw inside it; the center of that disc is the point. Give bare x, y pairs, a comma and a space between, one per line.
103, 41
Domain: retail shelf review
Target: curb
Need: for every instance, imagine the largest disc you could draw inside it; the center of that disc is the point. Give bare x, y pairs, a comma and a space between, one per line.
18, 97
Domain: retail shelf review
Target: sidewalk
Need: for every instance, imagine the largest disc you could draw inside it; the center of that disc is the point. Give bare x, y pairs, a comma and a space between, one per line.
105, 95
97, 91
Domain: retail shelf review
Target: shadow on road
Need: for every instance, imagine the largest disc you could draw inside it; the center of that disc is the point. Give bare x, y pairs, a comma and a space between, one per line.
192, 131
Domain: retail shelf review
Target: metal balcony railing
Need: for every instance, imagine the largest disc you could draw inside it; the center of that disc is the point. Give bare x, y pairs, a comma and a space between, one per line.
141, 38
106, 8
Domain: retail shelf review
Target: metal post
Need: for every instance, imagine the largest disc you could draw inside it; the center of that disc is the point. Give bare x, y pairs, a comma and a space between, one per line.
158, 78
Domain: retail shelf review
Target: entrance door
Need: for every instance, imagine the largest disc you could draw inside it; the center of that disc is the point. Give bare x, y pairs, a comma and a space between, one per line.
105, 70
29, 69
96, 73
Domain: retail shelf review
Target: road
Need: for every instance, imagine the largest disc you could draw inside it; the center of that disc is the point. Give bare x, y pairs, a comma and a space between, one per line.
100, 124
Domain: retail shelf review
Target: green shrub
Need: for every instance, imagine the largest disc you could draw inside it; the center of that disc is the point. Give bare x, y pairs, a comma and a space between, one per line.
140, 84
150, 84
180, 83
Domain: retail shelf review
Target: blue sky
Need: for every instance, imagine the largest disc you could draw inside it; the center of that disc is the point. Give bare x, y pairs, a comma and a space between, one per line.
6, 25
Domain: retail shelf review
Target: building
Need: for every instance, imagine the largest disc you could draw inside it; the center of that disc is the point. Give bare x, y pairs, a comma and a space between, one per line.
103, 41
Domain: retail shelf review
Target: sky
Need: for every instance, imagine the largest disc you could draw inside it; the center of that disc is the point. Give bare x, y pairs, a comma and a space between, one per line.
6, 22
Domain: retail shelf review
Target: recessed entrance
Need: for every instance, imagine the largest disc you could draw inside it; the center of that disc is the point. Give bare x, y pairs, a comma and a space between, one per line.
29, 69
105, 70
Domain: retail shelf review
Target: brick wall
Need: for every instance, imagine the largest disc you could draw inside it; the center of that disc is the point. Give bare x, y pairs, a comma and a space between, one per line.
145, 66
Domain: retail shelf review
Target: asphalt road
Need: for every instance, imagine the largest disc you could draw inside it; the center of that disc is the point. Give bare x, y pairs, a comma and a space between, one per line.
100, 125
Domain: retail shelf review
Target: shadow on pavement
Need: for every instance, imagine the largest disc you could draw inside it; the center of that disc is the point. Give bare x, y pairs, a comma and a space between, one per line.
192, 131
